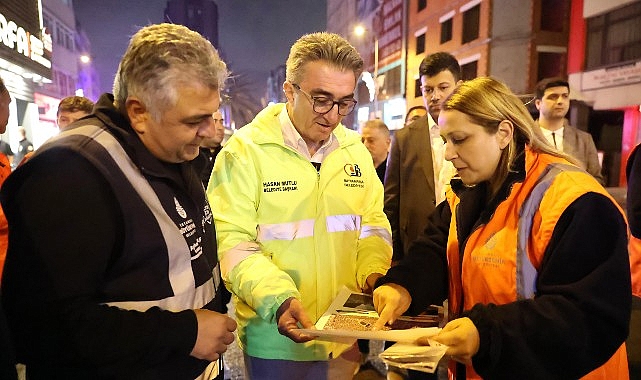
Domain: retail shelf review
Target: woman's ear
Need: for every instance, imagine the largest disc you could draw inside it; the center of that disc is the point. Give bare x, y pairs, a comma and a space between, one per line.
137, 113
504, 133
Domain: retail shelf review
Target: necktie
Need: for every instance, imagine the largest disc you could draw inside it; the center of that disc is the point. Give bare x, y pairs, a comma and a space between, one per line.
554, 139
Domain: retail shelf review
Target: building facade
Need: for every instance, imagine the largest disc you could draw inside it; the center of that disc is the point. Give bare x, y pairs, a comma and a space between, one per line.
25, 64
604, 66
380, 90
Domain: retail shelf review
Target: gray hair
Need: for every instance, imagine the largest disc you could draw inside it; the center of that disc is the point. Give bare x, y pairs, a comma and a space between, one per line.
322, 46
159, 59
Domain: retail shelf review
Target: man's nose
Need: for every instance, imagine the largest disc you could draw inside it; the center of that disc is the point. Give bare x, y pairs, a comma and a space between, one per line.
332, 116
207, 128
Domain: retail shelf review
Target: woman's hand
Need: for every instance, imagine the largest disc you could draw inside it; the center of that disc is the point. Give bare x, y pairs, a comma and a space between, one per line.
390, 301
462, 338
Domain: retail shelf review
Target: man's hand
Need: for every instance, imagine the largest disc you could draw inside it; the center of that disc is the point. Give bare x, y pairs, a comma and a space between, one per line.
462, 338
370, 282
391, 301
289, 315
215, 333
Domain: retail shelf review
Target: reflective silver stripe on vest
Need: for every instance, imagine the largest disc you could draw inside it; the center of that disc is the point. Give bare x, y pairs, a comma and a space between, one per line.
181, 278
285, 231
525, 272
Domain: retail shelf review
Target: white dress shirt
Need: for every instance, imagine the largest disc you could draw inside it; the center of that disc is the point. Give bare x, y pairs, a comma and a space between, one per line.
555, 138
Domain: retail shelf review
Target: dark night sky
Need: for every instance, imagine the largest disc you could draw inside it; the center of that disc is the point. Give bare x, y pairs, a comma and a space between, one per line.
255, 35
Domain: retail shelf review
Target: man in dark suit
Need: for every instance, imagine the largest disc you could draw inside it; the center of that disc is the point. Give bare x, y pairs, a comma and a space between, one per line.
416, 171
377, 140
553, 102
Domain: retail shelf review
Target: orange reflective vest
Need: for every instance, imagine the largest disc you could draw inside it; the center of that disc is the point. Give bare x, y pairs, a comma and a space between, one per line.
634, 248
5, 170
504, 275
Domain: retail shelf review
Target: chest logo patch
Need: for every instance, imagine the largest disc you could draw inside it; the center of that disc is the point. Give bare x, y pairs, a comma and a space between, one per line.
352, 170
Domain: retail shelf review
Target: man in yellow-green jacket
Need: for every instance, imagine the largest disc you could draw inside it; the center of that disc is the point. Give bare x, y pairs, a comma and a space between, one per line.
298, 209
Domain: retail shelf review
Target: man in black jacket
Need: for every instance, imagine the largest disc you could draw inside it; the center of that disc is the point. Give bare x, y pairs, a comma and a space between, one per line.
112, 271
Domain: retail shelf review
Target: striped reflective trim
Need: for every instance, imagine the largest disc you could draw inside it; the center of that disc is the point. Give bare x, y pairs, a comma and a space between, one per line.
525, 272
237, 254
181, 277
342, 223
286, 231
195, 299
381, 232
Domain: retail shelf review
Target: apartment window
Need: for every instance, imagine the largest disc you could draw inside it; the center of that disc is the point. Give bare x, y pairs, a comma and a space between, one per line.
614, 37
446, 31
422, 4
554, 14
469, 70
420, 44
417, 88
471, 22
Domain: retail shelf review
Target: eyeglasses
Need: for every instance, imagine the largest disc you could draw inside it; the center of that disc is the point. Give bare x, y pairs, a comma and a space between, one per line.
323, 105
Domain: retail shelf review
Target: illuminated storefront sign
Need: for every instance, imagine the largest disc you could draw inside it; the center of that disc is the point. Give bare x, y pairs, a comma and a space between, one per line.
19, 44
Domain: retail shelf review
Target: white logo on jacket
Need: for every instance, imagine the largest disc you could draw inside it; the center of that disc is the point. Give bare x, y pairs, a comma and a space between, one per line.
179, 209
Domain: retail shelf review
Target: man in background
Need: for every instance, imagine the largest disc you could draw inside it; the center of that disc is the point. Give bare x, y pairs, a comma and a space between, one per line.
414, 113
377, 140
71, 109
24, 147
416, 171
209, 149
553, 102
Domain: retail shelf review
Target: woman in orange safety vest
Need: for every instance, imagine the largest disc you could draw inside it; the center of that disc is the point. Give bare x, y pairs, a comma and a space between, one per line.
529, 249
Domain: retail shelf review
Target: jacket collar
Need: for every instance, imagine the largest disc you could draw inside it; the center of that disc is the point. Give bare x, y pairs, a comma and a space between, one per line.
263, 130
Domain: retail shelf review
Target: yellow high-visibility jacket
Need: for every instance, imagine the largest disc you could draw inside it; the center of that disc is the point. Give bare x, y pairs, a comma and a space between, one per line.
287, 230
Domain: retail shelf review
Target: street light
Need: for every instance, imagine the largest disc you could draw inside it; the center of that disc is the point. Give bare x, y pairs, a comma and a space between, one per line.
360, 30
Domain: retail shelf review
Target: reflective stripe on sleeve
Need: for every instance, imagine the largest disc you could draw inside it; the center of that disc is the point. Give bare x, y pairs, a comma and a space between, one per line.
381, 232
237, 254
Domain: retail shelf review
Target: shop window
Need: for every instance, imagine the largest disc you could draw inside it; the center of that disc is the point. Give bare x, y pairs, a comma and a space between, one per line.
614, 37
471, 23
422, 4
446, 31
391, 85
469, 70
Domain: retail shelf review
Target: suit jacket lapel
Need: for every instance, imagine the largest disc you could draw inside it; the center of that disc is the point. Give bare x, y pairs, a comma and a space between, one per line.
421, 135
569, 141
